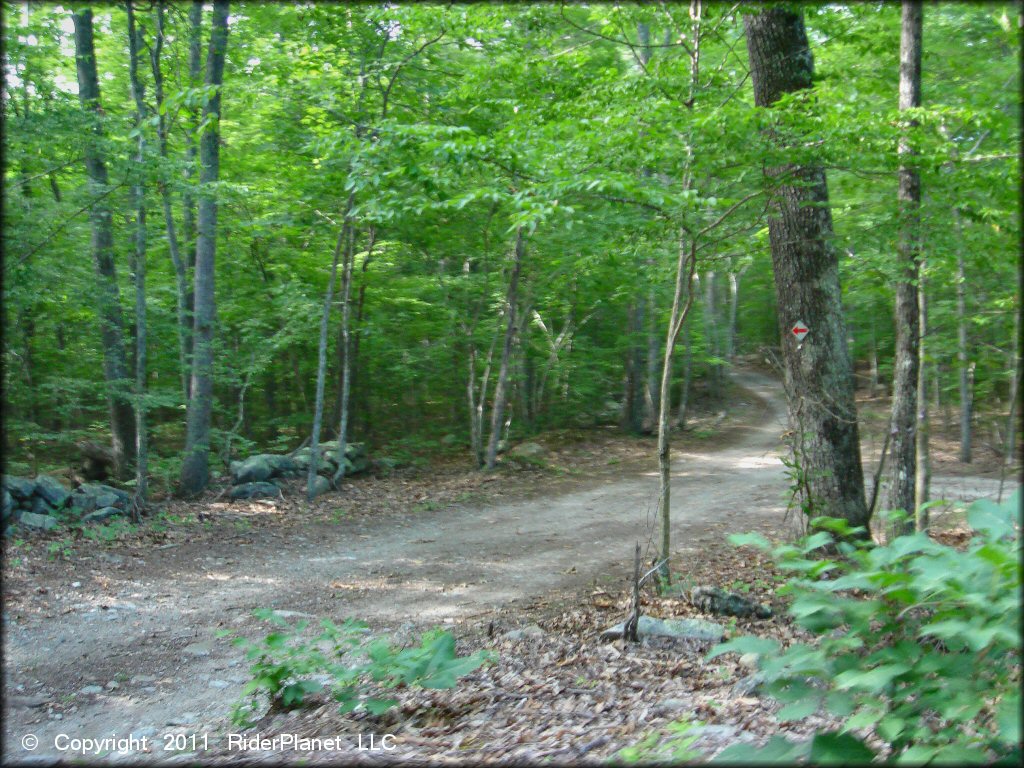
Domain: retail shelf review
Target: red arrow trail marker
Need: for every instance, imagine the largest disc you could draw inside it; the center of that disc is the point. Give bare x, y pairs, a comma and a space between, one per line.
799, 330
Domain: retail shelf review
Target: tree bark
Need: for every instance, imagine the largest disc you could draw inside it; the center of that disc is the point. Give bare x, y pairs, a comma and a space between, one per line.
501, 387
188, 219
346, 373
818, 373
908, 332
180, 272
321, 368
685, 269
923, 477
966, 367
115, 369
195, 471
139, 265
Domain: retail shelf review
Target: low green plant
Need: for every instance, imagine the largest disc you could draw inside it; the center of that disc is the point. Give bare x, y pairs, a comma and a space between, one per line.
287, 668
656, 747
918, 644
61, 548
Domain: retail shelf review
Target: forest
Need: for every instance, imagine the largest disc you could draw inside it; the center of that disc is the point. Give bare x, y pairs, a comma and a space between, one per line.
300, 276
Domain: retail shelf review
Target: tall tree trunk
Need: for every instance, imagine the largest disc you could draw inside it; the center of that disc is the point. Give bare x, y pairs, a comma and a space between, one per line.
346, 372
501, 388
818, 373
685, 269
180, 273
923, 478
903, 452
188, 220
734, 301
122, 419
321, 368
1014, 371
966, 367
195, 470
139, 264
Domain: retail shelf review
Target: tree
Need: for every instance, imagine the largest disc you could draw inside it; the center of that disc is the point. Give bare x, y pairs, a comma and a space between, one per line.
195, 470
818, 372
501, 387
139, 260
903, 450
115, 368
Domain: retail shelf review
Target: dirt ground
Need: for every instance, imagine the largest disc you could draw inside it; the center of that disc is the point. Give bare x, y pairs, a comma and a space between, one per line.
119, 639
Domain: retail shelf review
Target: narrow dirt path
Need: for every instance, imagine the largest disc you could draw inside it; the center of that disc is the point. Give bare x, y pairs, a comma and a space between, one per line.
134, 648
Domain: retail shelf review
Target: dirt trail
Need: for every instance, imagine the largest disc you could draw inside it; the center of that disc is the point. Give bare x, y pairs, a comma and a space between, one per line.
136, 646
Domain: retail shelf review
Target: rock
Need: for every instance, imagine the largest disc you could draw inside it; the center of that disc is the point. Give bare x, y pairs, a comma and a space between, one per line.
8, 504
50, 489
255, 491
91, 690
280, 465
749, 685
357, 465
749, 660
502, 445
252, 470
219, 683
35, 520
718, 601
449, 441
680, 629
82, 503
102, 514
302, 464
355, 451
146, 733
19, 487
198, 649
724, 732
103, 493
528, 451
529, 631
40, 507
321, 485
27, 701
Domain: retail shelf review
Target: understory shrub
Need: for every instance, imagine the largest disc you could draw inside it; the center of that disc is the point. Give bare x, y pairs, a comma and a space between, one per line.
918, 645
342, 659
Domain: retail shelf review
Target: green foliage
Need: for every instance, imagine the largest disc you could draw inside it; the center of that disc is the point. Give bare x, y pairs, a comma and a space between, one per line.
673, 748
918, 644
286, 668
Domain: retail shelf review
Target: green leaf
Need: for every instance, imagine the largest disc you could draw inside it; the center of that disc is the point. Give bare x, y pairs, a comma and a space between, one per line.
798, 710
872, 680
1008, 717
777, 751
750, 540
839, 748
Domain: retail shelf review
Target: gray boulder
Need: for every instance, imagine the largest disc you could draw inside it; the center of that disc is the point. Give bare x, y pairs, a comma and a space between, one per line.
42, 522
280, 465
720, 602
82, 503
386, 464
255, 491
40, 507
100, 491
678, 629
19, 487
102, 514
302, 464
50, 489
321, 485
8, 504
355, 451
528, 451
254, 469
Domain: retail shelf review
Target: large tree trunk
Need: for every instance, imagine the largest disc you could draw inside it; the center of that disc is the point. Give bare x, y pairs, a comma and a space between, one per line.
501, 387
321, 368
195, 471
115, 369
139, 265
818, 373
346, 371
923, 477
188, 220
966, 367
903, 452
180, 273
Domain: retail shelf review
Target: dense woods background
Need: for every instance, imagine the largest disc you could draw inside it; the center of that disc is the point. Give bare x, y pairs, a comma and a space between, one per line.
490, 200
